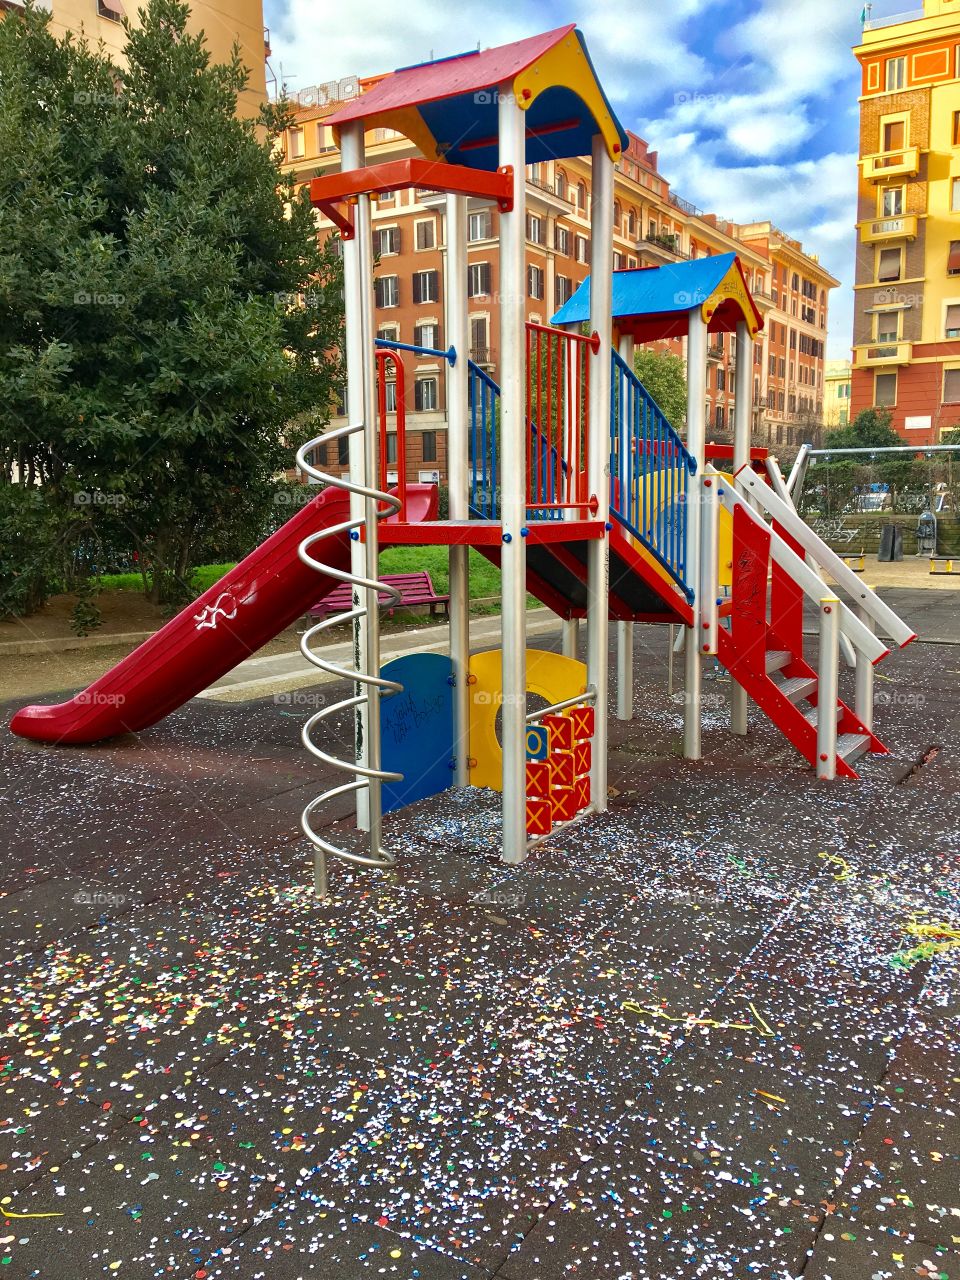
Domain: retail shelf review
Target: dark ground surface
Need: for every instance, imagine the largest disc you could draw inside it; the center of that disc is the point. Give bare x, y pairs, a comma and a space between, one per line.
694, 1038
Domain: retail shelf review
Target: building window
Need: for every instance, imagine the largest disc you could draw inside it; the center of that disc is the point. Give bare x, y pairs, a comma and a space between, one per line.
426, 285
479, 226
617, 215
427, 335
390, 395
425, 394
343, 451
535, 281
295, 144
896, 69
952, 321
478, 280
632, 224
721, 378
888, 326
534, 229
426, 234
893, 137
719, 418
561, 240
581, 197
951, 386
582, 249
564, 290
956, 117
888, 264
885, 390
617, 260
428, 441
479, 341
561, 184
386, 291
891, 202
386, 240
391, 445
389, 332
953, 259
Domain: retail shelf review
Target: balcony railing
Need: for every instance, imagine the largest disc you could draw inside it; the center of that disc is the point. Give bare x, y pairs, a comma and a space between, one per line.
902, 163
483, 355
550, 189
883, 353
893, 19
665, 243
900, 228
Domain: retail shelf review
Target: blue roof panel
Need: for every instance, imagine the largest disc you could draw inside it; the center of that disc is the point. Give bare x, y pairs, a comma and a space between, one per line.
656, 291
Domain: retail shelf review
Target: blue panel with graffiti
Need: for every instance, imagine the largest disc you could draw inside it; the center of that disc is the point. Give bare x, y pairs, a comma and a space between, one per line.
417, 729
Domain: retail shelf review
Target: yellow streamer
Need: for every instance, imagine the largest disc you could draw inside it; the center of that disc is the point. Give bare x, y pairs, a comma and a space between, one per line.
847, 871
764, 1028
8, 1213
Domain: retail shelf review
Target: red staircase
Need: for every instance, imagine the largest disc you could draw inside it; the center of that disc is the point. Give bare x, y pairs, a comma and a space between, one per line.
763, 649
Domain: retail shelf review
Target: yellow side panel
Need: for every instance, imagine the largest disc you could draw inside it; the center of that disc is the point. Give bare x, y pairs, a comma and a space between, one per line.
566, 65
549, 675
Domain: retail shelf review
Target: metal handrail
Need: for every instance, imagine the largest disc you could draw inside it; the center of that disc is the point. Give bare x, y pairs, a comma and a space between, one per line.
589, 695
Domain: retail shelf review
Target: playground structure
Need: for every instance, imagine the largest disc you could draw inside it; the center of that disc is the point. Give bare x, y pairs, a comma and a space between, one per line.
565, 474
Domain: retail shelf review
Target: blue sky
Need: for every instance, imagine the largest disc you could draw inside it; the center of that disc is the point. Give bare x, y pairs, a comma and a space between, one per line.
752, 106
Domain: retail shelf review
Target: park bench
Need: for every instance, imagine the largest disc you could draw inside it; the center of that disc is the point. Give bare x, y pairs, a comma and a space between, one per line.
416, 592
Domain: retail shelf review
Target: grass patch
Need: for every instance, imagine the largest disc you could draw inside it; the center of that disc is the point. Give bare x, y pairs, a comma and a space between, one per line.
204, 576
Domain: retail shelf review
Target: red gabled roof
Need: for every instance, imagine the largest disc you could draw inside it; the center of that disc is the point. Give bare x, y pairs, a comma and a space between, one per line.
448, 77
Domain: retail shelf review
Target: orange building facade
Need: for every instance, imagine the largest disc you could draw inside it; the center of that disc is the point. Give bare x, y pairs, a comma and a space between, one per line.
906, 339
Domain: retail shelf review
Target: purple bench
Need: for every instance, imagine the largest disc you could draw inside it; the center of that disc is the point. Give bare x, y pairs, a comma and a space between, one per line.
416, 590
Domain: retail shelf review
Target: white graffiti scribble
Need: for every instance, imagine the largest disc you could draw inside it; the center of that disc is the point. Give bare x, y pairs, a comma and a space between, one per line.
225, 606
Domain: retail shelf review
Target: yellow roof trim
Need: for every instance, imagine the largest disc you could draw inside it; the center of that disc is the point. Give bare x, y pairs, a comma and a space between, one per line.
405, 120
566, 65
732, 287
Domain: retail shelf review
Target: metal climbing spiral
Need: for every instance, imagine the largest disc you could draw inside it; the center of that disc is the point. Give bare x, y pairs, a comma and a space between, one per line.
369, 684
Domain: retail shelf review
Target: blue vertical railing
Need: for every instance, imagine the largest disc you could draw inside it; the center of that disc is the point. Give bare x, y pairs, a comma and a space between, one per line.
649, 469
484, 438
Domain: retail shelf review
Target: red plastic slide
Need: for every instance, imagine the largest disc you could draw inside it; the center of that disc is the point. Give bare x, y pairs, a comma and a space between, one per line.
250, 605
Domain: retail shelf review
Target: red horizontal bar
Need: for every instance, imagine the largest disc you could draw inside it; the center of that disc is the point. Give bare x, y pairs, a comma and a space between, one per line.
396, 175
539, 131
592, 340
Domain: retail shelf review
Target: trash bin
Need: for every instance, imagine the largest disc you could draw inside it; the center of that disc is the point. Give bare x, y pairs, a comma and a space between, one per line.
891, 543
927, 534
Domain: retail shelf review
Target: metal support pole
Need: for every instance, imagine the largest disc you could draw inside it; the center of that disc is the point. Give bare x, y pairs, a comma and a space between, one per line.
513, 554
361, 402
571, 637
863, 703
625, 629
696, 445
828, 687
709, 545
742, 425
458, 429
598, 460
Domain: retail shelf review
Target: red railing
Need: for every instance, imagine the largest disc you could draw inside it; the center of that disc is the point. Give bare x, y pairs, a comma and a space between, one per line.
382, 357
558, 421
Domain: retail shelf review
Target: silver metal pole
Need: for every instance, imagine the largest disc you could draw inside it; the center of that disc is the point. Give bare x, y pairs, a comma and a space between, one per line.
458, 429
742, 425
828, 687
625, 629
893, 448
863, 703
358, 313
670, 652
598, 460
571, 637
696, 445
797, 472
513, 558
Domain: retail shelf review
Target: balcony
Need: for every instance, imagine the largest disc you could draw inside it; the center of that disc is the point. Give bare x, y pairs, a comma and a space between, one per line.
484, 356
882, 354
544, 195
902, 228
904, 163
659, 250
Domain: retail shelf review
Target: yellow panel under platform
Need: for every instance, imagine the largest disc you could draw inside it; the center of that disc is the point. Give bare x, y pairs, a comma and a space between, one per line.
549, 675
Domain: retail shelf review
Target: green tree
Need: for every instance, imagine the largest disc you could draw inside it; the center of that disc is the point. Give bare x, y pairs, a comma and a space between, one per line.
841, 480
663, 375
166, 313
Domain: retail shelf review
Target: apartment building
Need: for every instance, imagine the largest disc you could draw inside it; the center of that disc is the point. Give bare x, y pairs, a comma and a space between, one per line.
224, 24
836, 394
906, 339
652, 227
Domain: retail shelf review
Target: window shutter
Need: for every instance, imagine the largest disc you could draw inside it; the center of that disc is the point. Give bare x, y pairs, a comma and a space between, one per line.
953, 262
953, 321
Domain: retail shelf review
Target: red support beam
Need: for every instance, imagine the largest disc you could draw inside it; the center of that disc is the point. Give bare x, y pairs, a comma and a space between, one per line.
331, 190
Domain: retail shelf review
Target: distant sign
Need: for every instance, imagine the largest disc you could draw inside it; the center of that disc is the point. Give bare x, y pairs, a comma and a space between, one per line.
921, 423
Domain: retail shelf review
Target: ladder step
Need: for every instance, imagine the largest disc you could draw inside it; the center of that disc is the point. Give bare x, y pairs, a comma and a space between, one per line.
813, 714
777, 659
798, 687
851, 746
